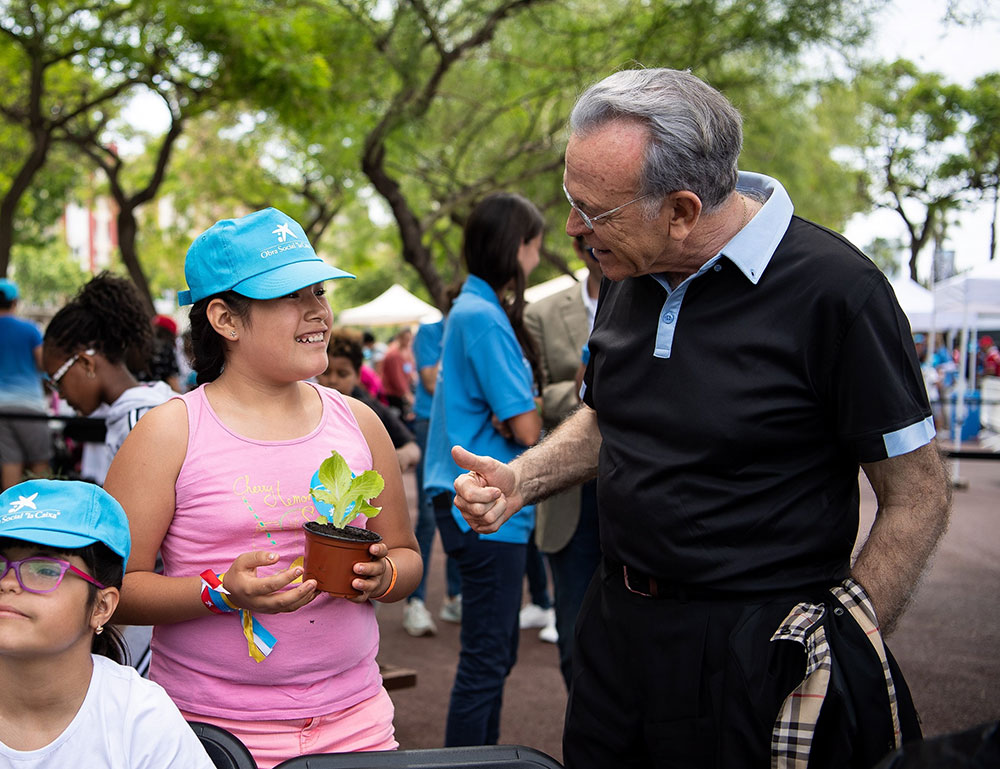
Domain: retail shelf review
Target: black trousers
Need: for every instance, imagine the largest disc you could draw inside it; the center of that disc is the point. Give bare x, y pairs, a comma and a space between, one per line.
697, 683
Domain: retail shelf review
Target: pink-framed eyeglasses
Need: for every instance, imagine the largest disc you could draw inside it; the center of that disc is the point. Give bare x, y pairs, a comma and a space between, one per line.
42, 574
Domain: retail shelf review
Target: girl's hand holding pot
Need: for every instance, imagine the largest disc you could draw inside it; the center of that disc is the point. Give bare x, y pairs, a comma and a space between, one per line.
374, 577
266, 595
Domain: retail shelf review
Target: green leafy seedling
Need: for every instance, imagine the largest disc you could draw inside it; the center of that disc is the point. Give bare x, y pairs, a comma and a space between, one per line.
349, 497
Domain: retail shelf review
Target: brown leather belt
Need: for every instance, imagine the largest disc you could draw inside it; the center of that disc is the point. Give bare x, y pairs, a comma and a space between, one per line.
647, 586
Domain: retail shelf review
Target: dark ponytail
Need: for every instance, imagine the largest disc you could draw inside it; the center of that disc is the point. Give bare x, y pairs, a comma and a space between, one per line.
209, 348
494, 233
108, 315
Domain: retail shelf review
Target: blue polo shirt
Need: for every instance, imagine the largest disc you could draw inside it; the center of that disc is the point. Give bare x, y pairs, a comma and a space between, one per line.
426, 352
483, 372
20, 379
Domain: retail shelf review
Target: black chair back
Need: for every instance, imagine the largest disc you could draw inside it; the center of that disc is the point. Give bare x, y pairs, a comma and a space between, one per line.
225, 749
489, 756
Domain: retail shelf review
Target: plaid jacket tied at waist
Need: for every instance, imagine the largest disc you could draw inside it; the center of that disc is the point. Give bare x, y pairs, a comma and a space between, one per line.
795, 728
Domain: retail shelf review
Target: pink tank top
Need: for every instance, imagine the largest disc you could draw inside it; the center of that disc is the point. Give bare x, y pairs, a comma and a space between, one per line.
234, 495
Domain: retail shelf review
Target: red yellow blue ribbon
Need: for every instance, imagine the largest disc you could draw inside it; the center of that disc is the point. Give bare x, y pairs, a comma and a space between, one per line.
260, 642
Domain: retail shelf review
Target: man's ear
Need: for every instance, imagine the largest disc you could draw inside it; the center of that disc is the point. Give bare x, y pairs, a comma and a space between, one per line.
684, 210
104, 606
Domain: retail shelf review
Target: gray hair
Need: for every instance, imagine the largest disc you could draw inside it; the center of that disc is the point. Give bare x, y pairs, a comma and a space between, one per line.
695, 134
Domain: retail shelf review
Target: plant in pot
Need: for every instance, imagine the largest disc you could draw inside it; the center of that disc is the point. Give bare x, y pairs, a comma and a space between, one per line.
332, 546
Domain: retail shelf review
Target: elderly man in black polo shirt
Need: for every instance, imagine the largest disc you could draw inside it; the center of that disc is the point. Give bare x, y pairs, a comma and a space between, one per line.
744, 363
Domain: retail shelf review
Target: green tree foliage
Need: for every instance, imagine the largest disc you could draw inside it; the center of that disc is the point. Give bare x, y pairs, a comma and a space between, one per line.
48, 275
885, 253
474, 97
349, 114
60, 60
982, 102
916, 158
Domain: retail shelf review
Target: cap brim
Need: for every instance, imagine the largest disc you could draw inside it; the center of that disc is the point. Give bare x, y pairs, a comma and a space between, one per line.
288, 278
49, 538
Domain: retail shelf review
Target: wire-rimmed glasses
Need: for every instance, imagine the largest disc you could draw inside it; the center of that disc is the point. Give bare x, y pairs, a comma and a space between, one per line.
589, 220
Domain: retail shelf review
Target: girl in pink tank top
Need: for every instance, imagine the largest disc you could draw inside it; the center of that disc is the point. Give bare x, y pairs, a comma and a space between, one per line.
218, 481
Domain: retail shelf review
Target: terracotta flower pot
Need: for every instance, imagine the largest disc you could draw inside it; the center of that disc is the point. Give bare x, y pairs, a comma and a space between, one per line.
331, 553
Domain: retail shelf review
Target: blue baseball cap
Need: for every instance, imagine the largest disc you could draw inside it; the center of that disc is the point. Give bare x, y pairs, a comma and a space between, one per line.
70, 514
8, 290
262, 255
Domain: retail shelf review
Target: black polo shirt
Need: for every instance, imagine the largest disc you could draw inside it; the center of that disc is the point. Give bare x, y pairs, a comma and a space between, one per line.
732, 461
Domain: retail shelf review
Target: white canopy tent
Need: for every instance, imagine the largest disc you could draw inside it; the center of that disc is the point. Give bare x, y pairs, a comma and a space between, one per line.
973, 296
393, 307
918, 304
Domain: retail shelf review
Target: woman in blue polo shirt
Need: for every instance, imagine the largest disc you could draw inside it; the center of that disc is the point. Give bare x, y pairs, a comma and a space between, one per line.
484, 400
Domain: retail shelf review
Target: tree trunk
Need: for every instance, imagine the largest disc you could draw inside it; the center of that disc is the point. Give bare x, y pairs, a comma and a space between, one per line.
993, 223
20, 184
914, 250
127, 230
414, 250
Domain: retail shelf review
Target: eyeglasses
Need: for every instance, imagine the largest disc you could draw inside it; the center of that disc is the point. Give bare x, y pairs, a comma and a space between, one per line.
589, 220
52, 382
40, 574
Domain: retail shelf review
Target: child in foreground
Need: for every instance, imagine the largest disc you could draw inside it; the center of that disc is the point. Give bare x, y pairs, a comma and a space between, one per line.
68, 702
218, 481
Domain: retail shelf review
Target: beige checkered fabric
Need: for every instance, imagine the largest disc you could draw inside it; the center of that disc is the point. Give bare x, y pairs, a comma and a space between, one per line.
795, 726
791, 740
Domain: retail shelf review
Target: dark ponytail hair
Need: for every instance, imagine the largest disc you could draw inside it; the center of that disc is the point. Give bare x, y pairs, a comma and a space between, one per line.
208, 346
494, 233
106, 567
108, 315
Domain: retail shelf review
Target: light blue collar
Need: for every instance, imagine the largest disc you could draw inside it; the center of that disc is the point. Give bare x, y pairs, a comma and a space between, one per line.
752, 248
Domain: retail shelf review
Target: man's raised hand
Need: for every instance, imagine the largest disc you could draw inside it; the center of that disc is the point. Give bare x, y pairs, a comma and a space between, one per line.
486, 495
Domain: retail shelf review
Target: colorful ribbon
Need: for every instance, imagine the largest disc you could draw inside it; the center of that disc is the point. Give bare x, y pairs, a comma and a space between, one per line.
260, 642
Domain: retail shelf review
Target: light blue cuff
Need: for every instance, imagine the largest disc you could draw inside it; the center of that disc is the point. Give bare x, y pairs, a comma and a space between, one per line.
910, 438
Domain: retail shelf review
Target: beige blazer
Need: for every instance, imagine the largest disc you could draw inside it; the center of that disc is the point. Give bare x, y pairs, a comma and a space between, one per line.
558, 324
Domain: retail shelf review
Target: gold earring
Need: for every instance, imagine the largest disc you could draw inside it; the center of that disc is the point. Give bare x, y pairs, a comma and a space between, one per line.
99, 630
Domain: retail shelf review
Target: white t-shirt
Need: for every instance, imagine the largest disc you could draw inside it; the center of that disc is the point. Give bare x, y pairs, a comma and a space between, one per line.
125, 722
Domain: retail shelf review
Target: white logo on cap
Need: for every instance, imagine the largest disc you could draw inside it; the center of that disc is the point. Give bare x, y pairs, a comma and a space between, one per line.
283, 231
23, 502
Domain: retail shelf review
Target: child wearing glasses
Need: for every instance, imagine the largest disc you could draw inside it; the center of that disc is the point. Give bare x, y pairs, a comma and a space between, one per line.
92, 347
218, 481
67, 702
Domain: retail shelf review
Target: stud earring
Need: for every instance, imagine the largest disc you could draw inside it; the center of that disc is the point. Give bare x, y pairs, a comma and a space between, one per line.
232, 334
99, 629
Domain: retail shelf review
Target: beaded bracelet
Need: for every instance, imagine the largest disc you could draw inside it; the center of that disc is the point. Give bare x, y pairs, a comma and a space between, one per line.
392, 582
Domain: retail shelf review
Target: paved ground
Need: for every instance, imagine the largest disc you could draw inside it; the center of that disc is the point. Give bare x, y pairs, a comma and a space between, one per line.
947, 644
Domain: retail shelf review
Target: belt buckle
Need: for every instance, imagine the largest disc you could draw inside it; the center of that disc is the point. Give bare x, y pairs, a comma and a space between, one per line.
651, 582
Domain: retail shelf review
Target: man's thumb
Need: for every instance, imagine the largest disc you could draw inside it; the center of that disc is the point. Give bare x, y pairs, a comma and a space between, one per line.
469, 461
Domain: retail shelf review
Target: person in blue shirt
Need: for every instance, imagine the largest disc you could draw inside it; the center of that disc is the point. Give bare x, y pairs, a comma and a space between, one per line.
417, 619
24, 443
485, 398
